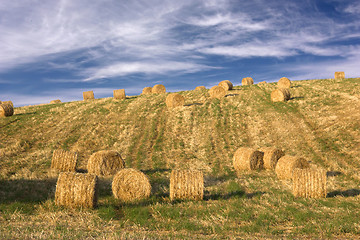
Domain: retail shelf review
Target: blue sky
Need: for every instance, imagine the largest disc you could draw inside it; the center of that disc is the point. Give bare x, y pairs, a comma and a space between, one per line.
58, 49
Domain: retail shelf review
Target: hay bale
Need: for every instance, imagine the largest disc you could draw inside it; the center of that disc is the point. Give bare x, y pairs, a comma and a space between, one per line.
309, 183
8, 102
217, 92
280, 95
286, 165
119, 94
55, 101
64, 160
6, 110
200, 88
247, 159
76, 190
88, 95
226, 84
339, 75
174, 100
284, 83
247, 81
159, 88
130, 185
186, 184
271, 156
105, 163
147, 90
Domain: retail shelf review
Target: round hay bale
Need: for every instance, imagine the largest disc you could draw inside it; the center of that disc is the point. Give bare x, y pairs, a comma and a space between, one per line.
130, 185
159, 88
247, 159
284, 82
88, 95
64, 160
147, 90
186, 184
8, 102
119, 94
271, 157
217, 92
76, 190
105, 163
286, 165
339, 75
6, 110
200, 88
280, 95
55, 101
247, 81
309, 183
226, 84
174, 100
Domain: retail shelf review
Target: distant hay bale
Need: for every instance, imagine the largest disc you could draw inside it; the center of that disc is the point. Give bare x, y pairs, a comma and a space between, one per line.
200, 88
271, 156
262, 83
130, 185
226, 84
147, 90
339, 75
64, 160
6, 110
217, 92
247, 81
159, 88
284, 83
309, 183
280, 95
76, 190
186, 184
174, 100
88, 95
119, 94
286, 165
247, 159
55, 101
105, 163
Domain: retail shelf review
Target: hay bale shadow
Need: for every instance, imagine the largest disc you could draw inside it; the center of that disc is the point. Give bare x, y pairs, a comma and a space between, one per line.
82, 170
232, 95
333, 173
295, 98
347, 193
193, 104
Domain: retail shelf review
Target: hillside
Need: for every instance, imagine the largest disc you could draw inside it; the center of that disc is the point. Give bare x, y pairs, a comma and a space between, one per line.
320, 123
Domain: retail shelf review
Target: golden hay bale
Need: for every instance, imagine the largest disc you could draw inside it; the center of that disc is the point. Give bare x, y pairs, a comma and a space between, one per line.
119, 94
130, 185
8, 102
339, 75
286, 165
64, 160
309, 183
186, 184
284, 83
55, 101
280, 95
247, 81
159, 88
88, 95
217, 92
271, 156
226, 84
247, 159
105, 163
0, 102
174, 100
76, 190
6, 110
147, 90
200, 88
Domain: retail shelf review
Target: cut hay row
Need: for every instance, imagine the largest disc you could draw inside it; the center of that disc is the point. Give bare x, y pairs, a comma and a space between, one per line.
226, 84
64, 160
174, 100
309, 183
286, 165
55, 101
280, 95
119, 94
247, 159
105, 163
284, 82
6, 110
89, 95
217, 92
271, 156
186, 184
247, 81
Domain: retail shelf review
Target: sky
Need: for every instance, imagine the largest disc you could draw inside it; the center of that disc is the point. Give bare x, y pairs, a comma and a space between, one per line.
59, 48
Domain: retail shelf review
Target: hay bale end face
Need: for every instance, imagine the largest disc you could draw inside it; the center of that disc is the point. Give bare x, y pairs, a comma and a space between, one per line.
280, 95
159, 88
200, 88
339, 75
119, 94
105, 163
284, 83
6, 110
247, 159
174, 100
186, 184
226, 84
55, 101
271, 157
76, 190
147, 90
286, 165
217, 92
88, 95
247, 81
130, 185
64, 160
309, 183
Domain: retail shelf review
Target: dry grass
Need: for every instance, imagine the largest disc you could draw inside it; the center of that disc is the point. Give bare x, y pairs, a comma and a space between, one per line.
200, 88
271, 156
159, 88
309, 183
146, 90
247, 81
284, 82
105, 163
226, 84
186, 184
339, 75
89, 95
55, 101
285, 167
217, 92
64, 160
247, 159
6, 110
119, 94
280, 95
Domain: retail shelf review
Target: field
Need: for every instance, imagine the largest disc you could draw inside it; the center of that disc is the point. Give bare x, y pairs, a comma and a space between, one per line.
321, 123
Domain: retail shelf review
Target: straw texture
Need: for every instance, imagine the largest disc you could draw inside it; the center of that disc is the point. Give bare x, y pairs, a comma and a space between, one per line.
186, 184
88, 95
200, 88
247, 159
159, 88
174, 100
119, 94
147, 90
226, 84
309, 183
64, 160
105, 163
6, 110
286, 165
271, 157
217, 92
280, 95
339, 75
284, 83
247, 81
55, 101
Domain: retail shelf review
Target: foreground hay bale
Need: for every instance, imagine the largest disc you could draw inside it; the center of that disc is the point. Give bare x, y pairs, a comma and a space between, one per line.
284, 83
186, 184
88, 95
8, 102
247, 81
217, 92
130, 185
286, 165
271, 157
174, 100
159, 88
226, 84
6, 110
55, 101
105, 163
200, 88
309, 183
64, 160
247, 159
339, 75
76, 190
119, 94
280, 95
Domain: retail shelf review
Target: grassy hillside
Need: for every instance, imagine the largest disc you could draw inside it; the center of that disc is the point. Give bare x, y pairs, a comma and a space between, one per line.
321, 123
